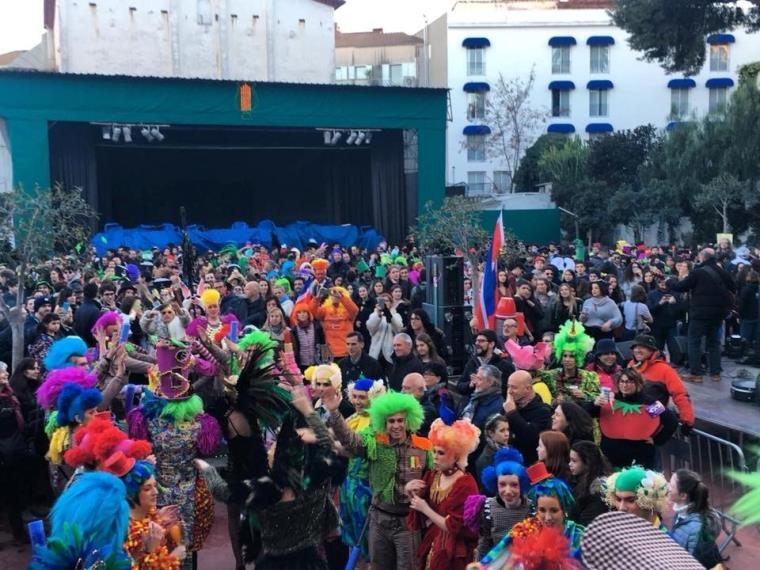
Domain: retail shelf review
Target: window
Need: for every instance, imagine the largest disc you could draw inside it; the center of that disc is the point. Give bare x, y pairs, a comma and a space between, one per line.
718, 98
600, 59
679, 103
597, 99
476, 183
476, 148
396, 74
719, 57
476, 106
476, 61
560, 103
502, 181
341, 73
561, 59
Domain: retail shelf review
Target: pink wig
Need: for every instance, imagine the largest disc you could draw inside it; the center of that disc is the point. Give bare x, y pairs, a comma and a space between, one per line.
106, 320
47, 393
460, 438
528, 357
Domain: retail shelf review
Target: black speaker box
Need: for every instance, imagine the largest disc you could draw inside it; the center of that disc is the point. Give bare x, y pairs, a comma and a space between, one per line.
445, 280
454, 321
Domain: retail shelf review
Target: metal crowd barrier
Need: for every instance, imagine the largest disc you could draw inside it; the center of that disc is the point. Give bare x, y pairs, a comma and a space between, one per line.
712, 457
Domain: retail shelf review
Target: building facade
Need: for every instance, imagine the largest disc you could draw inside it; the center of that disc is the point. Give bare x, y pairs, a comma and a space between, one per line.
263, 40
588, 81
378, 58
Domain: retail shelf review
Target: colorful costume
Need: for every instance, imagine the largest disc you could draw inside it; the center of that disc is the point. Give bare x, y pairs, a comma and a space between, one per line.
651, 490
450, 549
174, 422
337, 320
544, 485
88, 527
572, 338
355, 492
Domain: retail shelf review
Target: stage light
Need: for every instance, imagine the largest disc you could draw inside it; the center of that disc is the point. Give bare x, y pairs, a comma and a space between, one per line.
145, 131
336, 137
156, 134
328, 137
116, 133
351, 138
127, 132
106, 133
368, 138
360, 138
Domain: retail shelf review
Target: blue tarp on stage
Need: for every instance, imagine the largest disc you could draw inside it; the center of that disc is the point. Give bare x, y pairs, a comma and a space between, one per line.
265, 233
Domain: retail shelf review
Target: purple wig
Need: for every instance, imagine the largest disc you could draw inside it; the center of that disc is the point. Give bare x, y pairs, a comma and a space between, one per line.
47, 393
106, 319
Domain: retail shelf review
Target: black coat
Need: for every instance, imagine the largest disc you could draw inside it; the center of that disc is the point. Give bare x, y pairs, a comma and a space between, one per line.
366, 367
84, 319
251, 312
665, 315
503, 364
525, 425
401, 367
709, 286
748, 303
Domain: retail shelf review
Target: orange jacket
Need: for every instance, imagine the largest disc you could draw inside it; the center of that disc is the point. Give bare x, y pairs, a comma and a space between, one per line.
337, 322
656, 370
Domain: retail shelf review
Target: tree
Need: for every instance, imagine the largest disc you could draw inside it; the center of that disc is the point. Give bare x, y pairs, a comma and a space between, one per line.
528, 174
672, 32
513, 122
36, 224
720, 194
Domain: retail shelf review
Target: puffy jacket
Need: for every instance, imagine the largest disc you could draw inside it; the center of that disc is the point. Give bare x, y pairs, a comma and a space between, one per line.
687, 526
709, 285
664, 383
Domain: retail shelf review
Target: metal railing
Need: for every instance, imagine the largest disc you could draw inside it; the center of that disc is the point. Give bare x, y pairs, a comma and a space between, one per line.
712, 457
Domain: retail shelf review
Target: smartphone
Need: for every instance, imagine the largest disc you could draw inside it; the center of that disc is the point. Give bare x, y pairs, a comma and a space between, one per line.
65, 307
124, 334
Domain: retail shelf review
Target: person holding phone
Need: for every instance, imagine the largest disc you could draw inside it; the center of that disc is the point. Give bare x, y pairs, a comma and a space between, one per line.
383, 323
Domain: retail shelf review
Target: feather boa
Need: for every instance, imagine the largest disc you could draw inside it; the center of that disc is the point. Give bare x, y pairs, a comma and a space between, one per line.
471, 513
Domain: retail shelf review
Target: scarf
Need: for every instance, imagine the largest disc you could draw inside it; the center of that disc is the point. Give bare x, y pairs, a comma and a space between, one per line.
7, 392
472, 405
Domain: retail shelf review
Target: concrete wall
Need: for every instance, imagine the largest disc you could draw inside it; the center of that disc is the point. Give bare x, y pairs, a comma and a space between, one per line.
268, 40
438, 61
519, 42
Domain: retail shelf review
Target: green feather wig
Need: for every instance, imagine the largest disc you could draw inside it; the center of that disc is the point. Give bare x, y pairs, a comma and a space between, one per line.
572, 337
395, 403
183, 411
265, 344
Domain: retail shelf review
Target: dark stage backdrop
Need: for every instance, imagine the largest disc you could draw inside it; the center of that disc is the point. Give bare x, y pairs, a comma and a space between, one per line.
219, 180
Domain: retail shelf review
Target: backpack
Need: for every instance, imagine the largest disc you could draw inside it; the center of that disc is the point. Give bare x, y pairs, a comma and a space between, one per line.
706, 551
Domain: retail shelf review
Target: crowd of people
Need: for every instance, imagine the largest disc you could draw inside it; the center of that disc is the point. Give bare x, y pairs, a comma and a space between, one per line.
348, 436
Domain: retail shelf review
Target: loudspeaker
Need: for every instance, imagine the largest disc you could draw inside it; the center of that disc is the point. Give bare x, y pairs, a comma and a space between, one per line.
445, 280
454, 321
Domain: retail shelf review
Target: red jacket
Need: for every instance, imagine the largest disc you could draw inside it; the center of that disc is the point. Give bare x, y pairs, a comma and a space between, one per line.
658, 372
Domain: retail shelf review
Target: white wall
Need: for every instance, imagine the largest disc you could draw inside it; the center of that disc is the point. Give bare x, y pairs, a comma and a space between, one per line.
269, 40
519, 41
6, 166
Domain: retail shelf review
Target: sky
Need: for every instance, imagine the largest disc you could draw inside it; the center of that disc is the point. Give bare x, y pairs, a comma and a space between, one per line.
21, 20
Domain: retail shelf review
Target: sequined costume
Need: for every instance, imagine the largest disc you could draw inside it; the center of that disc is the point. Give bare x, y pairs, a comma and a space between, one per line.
161, 559
355, 494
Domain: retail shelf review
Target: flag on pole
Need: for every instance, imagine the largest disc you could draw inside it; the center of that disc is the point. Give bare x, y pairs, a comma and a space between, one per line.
486, 305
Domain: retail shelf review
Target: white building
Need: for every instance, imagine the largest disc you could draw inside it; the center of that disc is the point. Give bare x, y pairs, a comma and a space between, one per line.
587, 79
265, 40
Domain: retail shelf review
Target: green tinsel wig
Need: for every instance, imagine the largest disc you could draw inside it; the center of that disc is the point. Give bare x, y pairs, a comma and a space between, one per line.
182, 411
265, 344
396, 403
572, 337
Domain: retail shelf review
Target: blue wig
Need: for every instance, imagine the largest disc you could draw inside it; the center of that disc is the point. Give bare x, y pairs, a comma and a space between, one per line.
552, 487
506, 461
96, 503
134, 479
63, 349
73, 401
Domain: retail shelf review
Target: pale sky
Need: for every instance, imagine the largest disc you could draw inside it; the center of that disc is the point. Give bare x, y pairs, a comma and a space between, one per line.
21, 20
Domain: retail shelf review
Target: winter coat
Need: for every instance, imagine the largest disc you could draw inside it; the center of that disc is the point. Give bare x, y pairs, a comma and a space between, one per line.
687, 526
382, 328
665, 315
482, 405
401, 367
748, 302
710, 287
599, 311
503, 362
525, 425
662, 383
